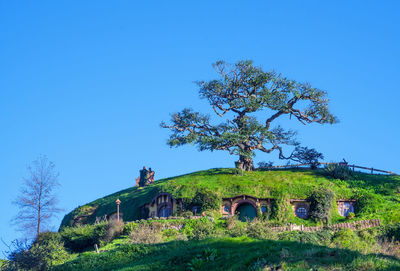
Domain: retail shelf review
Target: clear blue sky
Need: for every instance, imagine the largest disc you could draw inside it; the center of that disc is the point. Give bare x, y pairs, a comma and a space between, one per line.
88, 82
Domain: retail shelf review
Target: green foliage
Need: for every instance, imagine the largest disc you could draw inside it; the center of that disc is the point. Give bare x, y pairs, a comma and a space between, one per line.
318, 238
259, 229
146, 234
130, 227
392, 232
338, 171
346, 239
320, 204
351, 215
240, 253
235, 227
114, 229
83, 237
281, 208
296, 183
241, 90
45, 252
205, 199
308, 156
199, 229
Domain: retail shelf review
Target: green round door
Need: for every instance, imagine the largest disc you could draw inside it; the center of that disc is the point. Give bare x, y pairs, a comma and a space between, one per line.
246, 212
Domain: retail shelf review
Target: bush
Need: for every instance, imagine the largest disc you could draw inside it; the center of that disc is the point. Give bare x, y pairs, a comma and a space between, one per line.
145, 234
348, 239
281, 208
199, 228
114, 229
82, 237
338, 171
130, 227
205, 199
392, 232
351, 215
318, 238
320, 204
46, 251
234, 227
259, 229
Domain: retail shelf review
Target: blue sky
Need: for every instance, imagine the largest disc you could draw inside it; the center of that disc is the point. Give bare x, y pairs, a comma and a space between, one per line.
88, 82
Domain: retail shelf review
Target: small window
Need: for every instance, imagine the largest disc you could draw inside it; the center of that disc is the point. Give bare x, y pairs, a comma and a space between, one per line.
226, 208
301, 212
347, 209
195, 209
264, 209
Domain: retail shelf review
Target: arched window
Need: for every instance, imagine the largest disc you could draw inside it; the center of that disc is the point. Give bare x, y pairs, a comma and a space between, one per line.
301, 212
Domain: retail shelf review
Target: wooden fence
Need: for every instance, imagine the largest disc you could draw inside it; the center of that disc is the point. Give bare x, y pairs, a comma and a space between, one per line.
357, 225
353, 167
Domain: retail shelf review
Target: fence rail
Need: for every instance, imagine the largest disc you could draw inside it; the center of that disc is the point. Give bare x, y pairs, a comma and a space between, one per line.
353, 167
357, 225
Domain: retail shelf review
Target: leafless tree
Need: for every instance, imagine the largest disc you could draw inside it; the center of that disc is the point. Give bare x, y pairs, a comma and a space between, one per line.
37, 202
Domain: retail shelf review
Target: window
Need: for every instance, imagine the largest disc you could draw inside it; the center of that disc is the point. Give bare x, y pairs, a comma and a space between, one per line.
164, 212
264, 209
195, 210
226, 208
301, 212
346, 209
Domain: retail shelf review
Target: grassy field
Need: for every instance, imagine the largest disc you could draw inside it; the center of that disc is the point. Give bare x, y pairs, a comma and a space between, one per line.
240, 253
378, 194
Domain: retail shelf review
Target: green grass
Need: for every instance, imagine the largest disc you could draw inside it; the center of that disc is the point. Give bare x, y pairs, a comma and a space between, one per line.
383, 199
241, 253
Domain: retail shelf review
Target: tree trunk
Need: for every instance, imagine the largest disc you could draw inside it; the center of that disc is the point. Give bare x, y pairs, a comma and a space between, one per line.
245, 163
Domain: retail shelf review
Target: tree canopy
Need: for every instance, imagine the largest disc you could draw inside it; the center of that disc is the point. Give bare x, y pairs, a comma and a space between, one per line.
241, 91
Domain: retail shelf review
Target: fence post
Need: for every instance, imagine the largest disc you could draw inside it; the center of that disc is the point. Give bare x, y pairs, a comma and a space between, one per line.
372, 170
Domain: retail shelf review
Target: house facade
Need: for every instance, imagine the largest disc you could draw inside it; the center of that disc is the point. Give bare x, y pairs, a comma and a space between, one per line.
246, 207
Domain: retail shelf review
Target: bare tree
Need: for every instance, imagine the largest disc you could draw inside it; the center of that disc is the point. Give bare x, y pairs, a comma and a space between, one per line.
37, 203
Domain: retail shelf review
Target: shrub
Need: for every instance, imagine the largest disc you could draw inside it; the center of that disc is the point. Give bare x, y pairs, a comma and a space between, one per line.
320, 204
199, 228
130, 227
392, 232
205, 199
351, 215
319, 238
46, 251
234, 227
187, 214
281, 208
114, 229
259, 229
347, 239
82, 237
338, 171
145, 234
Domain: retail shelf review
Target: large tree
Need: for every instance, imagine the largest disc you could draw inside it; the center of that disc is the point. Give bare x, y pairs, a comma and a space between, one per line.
37, 202
250, 100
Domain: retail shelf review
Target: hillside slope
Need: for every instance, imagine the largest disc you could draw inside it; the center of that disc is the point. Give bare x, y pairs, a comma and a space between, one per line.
377, 195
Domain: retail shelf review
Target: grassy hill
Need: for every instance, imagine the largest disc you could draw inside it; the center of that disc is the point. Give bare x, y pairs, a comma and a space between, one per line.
213, 242
377, 195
